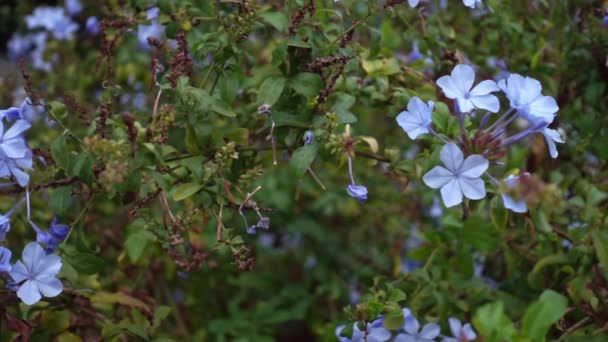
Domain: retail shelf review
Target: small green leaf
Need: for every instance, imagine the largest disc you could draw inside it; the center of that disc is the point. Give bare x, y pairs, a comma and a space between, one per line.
492, 324
137, 242
271, 90
85, 263
307, 84
600, 244
159, 316
302, 159
59, 151
186, 190
277, 19
60, 200
541, 315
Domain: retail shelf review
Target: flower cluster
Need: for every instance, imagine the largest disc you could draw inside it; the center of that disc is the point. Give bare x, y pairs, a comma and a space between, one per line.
36, 275
468, 3
461, 177
411, 331
46, 22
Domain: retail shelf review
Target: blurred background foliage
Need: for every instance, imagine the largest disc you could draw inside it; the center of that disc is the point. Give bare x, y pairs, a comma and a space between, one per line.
160, 273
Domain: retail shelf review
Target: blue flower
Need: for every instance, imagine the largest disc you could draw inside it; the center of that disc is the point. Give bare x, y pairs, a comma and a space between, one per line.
309, 138
460, 333
358, 192
54, 20
471, 3
73, 7
12, 142
5, 226
551, 137
375, 332
36, 275
92, 25
5, 259
52, 238
459, 176
15, 166
524, 94
11, 114
459, 87
29, 111
154, 30
413, 333
19, 45
413, 3
517, 206
417, 119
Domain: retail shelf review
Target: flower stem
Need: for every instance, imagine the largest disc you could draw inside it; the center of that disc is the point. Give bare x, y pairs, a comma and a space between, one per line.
350, 170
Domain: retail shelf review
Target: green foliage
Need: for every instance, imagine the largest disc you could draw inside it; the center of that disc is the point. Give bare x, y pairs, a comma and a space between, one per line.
161, 165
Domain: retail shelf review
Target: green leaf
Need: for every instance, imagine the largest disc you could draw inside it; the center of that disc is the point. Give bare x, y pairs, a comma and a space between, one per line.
307, 84
137, 242
302, 159
444, 121
541, 315
186, 190
277, 19
60, 200
492, 324
59, 151
160, 314
221, 108
600, 244
85, 263
480, 233
270, 90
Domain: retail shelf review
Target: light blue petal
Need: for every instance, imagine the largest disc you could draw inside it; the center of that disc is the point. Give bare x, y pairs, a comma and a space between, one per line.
22, 178
411, 325
487, 102
449, 87
455, 326
484, 88
28, 293
472, 188
49, 266
404, 338
474, 166
437, 177
465, 105
430, 331
413, 3
451, 194
19, 273
14, 148
32, 255
464, 77
49, 286
451, 156
513, 205
16, 130
468, 332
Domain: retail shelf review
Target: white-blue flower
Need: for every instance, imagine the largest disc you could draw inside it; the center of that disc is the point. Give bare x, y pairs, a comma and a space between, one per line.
12, 142
15, 166
460, 332
459, 176
417, 119
375, 332
36, 275
5, 259
471, 3
413, 3
459, 87
517, 206
525, 96
551, 137
413, 333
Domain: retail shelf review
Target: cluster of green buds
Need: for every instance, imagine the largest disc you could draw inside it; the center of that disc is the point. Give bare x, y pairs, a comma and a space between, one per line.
106, 149
114, 173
